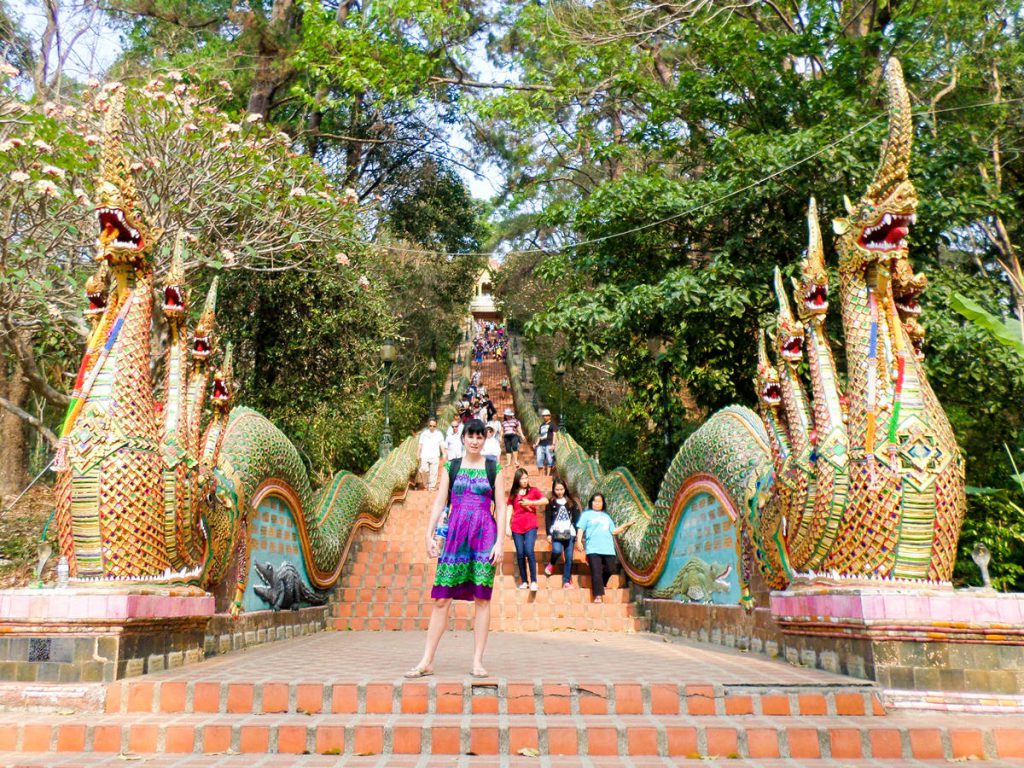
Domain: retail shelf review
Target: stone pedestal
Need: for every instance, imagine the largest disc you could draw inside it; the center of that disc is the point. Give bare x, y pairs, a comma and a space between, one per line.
907, 638
99, 634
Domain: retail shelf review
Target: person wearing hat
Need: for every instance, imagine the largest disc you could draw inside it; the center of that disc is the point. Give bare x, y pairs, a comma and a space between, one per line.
545, 445
492, 448
512, 433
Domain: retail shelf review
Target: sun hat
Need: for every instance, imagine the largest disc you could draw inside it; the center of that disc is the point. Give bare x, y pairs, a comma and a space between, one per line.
509, 412
545, 412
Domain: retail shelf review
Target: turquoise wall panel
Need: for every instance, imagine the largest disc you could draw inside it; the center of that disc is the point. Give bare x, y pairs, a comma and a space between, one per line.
274, 538
705, 532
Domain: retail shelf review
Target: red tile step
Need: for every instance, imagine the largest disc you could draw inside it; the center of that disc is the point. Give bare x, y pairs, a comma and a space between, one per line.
943, 737
500, 697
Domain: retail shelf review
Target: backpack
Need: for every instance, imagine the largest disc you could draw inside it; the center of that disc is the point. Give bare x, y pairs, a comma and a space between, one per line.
456, 464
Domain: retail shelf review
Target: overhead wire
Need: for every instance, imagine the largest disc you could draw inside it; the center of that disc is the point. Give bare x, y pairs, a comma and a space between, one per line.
698, 207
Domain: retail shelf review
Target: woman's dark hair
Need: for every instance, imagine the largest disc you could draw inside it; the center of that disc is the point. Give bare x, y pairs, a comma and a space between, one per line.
515, 483
474, 427
569, 501
604, 502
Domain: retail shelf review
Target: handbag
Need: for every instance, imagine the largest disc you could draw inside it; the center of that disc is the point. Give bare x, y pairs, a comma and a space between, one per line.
563, 530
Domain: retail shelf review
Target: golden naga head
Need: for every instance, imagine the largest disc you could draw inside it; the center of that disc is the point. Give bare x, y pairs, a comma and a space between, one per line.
916, 333
877, 227
769, 391
202, 337
97, 290
811, 290
174, 284
223, 384
789, 332
907, 288
124, 236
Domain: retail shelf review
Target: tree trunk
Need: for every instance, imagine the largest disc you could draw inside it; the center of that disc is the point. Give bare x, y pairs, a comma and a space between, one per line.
317, 116
860, 19
13, 469
272, 68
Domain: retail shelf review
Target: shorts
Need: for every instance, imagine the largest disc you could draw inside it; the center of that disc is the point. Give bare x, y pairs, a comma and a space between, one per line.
545, 456
511, 443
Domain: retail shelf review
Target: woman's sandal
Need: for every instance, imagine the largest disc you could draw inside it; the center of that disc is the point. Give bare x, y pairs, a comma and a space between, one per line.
479, 672
419, 672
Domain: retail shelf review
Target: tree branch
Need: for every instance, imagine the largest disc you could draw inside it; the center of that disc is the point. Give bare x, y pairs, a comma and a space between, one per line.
31, 420
30, 368
479, 84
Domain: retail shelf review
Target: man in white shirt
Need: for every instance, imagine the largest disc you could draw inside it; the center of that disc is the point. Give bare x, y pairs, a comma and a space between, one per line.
430, 452
453, 440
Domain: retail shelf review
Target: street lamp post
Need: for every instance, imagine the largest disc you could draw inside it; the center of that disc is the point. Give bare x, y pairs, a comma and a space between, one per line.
388, 354
657, 348
452, 390
432, 366
560, 372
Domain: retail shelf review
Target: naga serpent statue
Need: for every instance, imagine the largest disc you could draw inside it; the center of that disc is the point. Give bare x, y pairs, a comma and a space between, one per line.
861, 484
143, 492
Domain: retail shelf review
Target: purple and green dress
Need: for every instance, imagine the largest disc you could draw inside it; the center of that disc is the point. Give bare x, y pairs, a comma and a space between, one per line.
463, 569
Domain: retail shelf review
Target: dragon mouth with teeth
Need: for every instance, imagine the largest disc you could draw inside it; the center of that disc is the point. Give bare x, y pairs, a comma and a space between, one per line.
888, 234
816, 299
792, 348
115, 231
220, 391
97, 304
201, 347
174, 301
771, 393
908, 306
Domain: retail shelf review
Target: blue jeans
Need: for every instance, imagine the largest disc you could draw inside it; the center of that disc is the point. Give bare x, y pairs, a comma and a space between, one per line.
524, 552
545, 456
559, 548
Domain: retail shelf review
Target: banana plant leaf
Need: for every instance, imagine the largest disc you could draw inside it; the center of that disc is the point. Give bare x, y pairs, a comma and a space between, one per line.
1006, 332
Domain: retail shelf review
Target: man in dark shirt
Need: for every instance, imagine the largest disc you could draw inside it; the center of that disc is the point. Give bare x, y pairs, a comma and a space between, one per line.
545, 445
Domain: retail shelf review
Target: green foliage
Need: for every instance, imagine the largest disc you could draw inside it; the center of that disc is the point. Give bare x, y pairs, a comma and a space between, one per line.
1006, 331
997, 521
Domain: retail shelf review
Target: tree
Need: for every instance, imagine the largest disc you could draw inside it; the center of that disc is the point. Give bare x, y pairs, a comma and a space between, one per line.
666, 170
247, 202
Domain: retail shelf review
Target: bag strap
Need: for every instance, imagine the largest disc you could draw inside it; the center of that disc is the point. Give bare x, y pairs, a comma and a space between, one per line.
490, 465
453, 471
492, 473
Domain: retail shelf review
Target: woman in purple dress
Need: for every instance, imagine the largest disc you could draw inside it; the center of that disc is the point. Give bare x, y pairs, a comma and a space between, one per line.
470, 553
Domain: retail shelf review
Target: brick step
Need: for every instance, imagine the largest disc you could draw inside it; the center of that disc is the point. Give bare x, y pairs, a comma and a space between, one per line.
928, 738
434, 696
414, 588
628, 624
506, 602
229, 760
521, 608
399, 560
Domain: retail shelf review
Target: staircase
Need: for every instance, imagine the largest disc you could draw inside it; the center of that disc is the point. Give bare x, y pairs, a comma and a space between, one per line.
575, 684
385, 585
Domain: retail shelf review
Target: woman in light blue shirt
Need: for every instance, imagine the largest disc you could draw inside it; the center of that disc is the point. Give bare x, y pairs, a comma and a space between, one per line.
599, 531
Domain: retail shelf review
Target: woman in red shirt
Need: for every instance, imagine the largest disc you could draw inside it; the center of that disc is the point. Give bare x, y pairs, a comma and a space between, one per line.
524, 501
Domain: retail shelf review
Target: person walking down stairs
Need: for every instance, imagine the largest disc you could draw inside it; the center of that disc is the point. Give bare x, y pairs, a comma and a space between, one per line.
561, 517
524, 501
431, 451
598, 531
512, 433
465, 569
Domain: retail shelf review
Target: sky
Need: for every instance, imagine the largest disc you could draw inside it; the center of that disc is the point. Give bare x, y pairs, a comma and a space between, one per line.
98, 46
